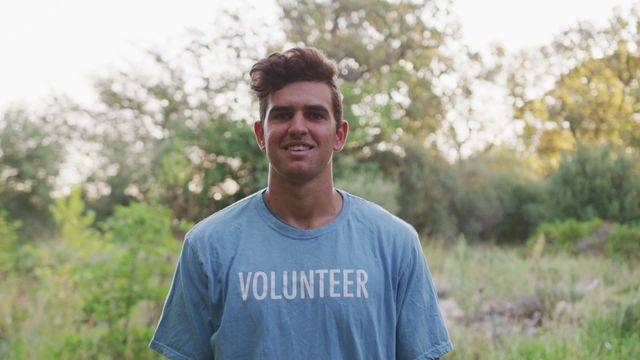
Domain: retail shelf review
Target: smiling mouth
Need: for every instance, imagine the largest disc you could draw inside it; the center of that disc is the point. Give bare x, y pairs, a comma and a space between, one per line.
298, 148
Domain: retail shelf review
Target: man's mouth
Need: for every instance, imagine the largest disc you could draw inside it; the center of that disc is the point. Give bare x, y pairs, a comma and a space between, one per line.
298, 147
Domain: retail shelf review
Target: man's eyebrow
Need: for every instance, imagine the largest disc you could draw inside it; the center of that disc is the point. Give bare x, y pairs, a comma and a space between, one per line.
279, 108
284, 108
319, 108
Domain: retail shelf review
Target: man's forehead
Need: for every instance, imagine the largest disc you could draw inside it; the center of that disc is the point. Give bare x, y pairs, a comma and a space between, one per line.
302, 93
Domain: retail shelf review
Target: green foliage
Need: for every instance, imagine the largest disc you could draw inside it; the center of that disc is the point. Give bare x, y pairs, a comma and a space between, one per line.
31, 155
9, 244
619, 241
594, 182
386, 53
594, 98
424, 197
92, 294
493, 197
624, 241
131, 270
173, 135
369, 183
613, 334
488, 197
73, 221
588, 305
565, 235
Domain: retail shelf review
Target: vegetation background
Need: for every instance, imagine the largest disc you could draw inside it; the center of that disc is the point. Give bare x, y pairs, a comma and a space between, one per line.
534, 242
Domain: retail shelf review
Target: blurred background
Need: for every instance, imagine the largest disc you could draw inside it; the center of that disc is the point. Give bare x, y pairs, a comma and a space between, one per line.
506, 132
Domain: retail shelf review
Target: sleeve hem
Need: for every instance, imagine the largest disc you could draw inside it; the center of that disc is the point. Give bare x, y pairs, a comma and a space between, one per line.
167, 351
436, 352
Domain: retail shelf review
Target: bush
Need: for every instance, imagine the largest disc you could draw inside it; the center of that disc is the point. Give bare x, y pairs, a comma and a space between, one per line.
619, 241
565, 235
492, 196
9, 246
594, 182
132, 270
624, 241
488, 197
424, 192
370, 183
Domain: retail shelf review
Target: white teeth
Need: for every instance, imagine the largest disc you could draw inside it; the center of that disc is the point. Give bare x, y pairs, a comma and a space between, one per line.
298, 148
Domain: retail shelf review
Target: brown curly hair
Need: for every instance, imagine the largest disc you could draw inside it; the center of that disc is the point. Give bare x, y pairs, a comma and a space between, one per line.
280, 69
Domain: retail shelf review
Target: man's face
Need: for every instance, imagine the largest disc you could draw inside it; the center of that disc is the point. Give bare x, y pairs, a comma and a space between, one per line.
299, 132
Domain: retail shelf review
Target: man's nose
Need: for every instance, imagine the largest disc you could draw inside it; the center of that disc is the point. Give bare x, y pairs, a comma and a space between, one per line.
298, 123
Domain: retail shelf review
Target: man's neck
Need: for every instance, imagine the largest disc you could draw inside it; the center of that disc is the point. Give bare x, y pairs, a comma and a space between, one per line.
304, 205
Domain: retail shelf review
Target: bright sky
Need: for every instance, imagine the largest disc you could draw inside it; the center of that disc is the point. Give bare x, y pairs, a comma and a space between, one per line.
55, 46
525, 23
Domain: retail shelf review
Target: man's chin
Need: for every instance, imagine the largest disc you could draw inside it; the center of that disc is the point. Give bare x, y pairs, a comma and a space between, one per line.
298, 175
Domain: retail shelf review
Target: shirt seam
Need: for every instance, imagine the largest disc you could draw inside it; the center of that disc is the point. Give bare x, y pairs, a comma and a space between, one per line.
438, 351
167, 351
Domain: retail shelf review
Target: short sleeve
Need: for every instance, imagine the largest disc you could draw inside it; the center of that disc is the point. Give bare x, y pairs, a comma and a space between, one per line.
420, 330
188, 318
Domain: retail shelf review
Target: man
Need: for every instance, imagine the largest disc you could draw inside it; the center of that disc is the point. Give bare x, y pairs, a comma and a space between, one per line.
301, 270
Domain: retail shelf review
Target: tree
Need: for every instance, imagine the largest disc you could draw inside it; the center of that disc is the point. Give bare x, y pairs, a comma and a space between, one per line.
388, 53
31, 155
177, 132
595, 94
594, 102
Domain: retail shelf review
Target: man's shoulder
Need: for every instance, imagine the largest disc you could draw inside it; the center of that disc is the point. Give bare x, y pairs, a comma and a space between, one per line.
224, 220
377, 217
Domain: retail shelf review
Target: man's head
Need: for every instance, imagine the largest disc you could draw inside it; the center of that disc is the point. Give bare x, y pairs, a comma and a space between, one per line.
294, 65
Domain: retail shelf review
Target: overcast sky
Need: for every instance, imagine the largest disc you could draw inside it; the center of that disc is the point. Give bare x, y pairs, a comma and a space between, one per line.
55, 46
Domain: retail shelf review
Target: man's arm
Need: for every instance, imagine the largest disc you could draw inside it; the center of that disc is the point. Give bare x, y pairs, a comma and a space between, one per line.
188, 317
420, 330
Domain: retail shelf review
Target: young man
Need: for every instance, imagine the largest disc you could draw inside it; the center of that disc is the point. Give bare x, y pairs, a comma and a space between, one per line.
301, 270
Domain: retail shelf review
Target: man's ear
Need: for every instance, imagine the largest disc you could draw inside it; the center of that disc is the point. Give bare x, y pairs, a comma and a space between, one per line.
341, 135
259, 131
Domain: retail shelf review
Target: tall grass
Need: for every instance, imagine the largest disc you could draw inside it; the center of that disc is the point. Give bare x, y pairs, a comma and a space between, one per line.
518, 306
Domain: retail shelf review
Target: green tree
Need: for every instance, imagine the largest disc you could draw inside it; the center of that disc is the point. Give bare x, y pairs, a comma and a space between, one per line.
595, 74
596, 101
31, 155
178, 132
388, 53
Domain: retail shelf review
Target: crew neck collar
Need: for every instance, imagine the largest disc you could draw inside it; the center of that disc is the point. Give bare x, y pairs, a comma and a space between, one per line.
278, 224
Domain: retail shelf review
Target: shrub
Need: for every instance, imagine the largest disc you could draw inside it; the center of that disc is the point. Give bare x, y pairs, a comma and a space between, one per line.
487, 197
370, 183
565, 235
624, 241
9, 245
132, 270
492, 195
424, 192
594, 182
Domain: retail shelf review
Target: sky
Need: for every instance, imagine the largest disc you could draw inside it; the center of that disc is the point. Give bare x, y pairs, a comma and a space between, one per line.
56, 47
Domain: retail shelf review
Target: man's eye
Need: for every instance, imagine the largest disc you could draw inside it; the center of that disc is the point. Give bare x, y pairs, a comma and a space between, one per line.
316, 116
282, 115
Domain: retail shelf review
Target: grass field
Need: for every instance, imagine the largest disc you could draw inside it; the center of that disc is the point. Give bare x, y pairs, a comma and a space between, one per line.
511, 304
499, 303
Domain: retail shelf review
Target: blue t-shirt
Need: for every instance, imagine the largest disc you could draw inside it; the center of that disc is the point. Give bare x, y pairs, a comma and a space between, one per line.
250, 286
